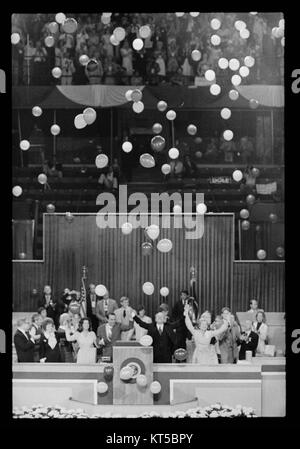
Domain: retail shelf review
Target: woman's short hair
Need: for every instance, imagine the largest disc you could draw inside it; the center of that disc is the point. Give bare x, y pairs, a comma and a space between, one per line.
140, 307
64, 317
80, 325
124, 298
46, 322
34, 317
163, 307
263, 315
40, 309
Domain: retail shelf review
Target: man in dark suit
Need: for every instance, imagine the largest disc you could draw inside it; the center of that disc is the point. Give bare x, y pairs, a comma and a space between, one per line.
24, 341
182, 333
248, 340
49, 303
163, 337
108, 333
91, 303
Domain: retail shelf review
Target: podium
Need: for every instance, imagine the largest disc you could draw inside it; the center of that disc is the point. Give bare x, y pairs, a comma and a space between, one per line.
140, 359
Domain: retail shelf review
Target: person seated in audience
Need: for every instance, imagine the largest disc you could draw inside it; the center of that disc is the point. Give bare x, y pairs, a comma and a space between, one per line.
37, 320
104, 307
108, 179
139, 331
204, 354
229, 340
261, 328
66, 348
49, 343
253, 307
123, 316
24, 341
86, 340
42, 311
110, 332
248, 341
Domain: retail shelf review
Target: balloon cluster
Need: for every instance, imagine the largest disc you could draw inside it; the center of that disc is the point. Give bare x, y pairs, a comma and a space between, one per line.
88, 117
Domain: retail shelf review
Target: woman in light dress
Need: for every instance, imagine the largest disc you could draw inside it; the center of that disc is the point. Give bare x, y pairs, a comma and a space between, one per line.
86, 340
204, 352
261, 328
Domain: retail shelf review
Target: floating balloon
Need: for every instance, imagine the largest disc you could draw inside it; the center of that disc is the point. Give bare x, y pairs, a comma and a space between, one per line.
280, 251
49, 41
42, 178
250, 199
100, 290
84, 59
273, 218
152, 231
215, 89
108, 372
164, 245
17, 191
127, 147
147, 248
192, 130
173, 153
253, 103
147, 160
162, 106
24, 145
257, 228
198, 140
53, 27
261, 254
244, 71
210, 75
282, 41
155, 387
166, 169
233, 95
145, 31
22, 255
237, 175
37, 111
157, 128
138, 107
126, 228
171, 115
177, 209
50, 208
136, 95
239, 25
128, 94
148, 288
244, 213
119, 33
60, 17
234, 64
15, 38
245, 225
215, 39
196, 55
228, 134
137, 44
255, 172
141, 380
194, 14
158, 143
223, 63
101, 161
199, 154
146, 340
105, 19
215, 24
56, 72
201, 208
249, 61
113, 39
55, 130
180, 354
244, 33
69, 217
126, 373
79, 121
179, 14
164, 291
102, 387
236, 80
225, 113
89, 115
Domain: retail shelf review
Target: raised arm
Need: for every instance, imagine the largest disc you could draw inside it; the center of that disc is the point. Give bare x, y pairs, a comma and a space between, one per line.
220, 331
139, 321
188, 322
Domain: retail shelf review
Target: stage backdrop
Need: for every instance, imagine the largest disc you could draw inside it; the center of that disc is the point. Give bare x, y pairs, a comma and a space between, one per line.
116, 260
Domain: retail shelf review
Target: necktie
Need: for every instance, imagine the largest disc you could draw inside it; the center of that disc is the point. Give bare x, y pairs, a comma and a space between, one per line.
124, 313
160, 330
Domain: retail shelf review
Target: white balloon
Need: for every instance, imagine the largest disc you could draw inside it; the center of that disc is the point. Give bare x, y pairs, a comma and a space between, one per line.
177, 209
261, 254
164, 291
239, 25
215, 89
49, 41
228, 134
173, 153
225, 113
194, 14
89, 115
237, 175
249, 61
166, 168
210, 75
179, 14
138, 107
101, 161
60, 17
236, 80
162, 106
196, 55
223, 63
79, 121
37, 111
244, 71
56, 72
84, 59
244, 33
171, 115
114, 40
164, 245
148, 288
100, 290
102, 387
215, 24
233, 94
137, 44
201, 208
234, 64
128, 95
152, 231
24, 145
17, 191
105, 19
127, 147
145, 31
155, 387
126, 228
215, 39
146, 340
15, 38
55, 130
119, 33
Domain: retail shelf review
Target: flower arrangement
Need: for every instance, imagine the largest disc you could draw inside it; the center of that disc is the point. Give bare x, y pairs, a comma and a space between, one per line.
213, 411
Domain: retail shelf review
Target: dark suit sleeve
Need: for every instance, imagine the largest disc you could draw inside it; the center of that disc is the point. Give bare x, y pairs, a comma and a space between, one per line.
142, 323
176, 324
172, 335
22, 343
254, 342
175, 312
42, 349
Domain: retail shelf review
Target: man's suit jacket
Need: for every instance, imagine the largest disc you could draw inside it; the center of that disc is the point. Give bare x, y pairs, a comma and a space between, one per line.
24, 347
163, 344
115, 335
89, 308
100, 313
51, 308
249, 345
228, 344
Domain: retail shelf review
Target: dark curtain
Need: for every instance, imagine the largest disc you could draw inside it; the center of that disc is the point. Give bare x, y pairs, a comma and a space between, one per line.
262, 235
23, 239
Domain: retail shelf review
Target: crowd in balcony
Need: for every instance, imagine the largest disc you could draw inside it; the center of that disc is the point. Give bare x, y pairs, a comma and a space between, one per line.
166, 56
